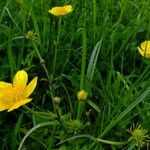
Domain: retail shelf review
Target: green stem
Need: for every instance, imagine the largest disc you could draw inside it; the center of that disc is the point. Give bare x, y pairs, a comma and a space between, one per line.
81, 105
56, 47
51, 138
37, 51
20, 56
95, 139
43, 65
94, 20
46, 71
139, 147
83, 58
10, 56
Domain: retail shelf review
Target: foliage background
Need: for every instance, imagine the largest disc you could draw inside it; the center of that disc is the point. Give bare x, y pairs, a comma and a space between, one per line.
117, 77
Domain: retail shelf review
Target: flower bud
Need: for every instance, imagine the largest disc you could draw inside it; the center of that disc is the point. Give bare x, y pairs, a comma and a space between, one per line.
82, 95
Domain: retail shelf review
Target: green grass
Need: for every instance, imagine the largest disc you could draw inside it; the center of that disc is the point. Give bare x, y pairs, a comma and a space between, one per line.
93, 48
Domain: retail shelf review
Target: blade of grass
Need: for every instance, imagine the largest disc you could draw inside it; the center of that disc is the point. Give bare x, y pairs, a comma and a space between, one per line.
94, 139
16, 131
126, 111
92, 66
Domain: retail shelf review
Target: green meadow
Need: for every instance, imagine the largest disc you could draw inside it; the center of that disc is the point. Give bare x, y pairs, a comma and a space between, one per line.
91, 83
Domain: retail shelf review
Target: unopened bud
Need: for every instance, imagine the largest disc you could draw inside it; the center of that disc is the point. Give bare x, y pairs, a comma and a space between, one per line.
56, 100
82, 95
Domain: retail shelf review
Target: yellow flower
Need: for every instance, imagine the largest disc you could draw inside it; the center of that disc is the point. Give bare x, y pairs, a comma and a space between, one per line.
61, 11
82, 95
144, 49
16, 94
138, 135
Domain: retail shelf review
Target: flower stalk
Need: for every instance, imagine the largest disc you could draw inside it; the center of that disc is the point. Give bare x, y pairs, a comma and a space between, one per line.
47, 74
81, 104
56, 47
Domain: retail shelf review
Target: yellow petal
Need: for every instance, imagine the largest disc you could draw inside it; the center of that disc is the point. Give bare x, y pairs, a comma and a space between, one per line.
20, 79
68, 8
141, 51
19, 103
31, 86
6, 92
144, 50
4, 85
60, 11
7, 98
3, 106
146, 47
82, 95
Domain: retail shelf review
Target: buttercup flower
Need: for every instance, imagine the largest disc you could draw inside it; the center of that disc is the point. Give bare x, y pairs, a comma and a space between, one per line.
16, 94
144, 49
82, 95
61, 11
138, 135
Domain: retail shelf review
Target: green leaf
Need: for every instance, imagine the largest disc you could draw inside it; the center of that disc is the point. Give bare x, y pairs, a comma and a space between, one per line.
94, 106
